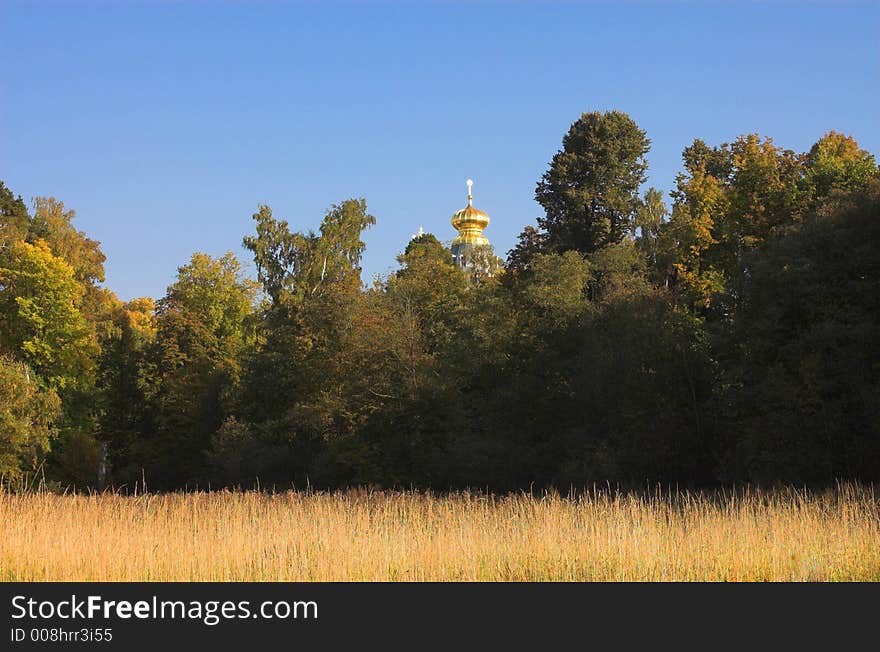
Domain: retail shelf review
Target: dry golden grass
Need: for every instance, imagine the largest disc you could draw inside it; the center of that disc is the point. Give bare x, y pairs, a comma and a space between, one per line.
410, 536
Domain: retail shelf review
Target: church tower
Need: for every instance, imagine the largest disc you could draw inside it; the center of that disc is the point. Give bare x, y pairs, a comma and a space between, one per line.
469, 222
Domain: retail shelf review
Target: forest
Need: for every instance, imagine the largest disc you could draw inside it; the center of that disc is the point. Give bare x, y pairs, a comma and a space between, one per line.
728, 333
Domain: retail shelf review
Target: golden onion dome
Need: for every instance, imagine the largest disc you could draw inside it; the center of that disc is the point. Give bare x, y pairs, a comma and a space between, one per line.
470, 222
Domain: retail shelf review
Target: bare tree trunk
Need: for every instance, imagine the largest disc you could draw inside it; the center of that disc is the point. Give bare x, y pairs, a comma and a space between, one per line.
102, 466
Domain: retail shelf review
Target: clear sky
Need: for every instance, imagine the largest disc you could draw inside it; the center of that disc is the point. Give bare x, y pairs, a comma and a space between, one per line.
164, 124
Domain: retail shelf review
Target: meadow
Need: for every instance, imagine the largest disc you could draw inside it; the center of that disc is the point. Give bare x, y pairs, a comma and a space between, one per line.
743, 535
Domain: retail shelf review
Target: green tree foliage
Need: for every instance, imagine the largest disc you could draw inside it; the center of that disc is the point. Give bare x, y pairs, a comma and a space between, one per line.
729, 200
556, 287
291, 396
202, 326
53, 224
27, 415
530, 242
733, 198
40, 317
42, 325
14, 217
430, 287
127, 377
836, 162
690, 236
383, 375
641, 379
418, 312
52, 318
595, 358
650, 221
803, 378
590, 193
293, 266
216, 293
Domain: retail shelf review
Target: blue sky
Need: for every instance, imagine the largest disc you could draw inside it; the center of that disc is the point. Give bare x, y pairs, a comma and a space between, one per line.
164, 124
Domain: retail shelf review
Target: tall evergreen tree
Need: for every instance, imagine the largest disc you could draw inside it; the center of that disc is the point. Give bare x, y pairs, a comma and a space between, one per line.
590, 193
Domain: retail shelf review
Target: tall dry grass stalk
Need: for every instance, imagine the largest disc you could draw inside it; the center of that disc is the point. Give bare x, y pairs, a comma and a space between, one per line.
358, 535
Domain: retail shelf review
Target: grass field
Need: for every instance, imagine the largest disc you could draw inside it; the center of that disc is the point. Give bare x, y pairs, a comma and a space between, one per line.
359, 535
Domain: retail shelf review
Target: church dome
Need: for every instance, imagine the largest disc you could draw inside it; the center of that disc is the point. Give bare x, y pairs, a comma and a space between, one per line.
470, 222
470, 217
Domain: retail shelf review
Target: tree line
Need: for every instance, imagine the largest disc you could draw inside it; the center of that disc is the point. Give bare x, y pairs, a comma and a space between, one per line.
731, 335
